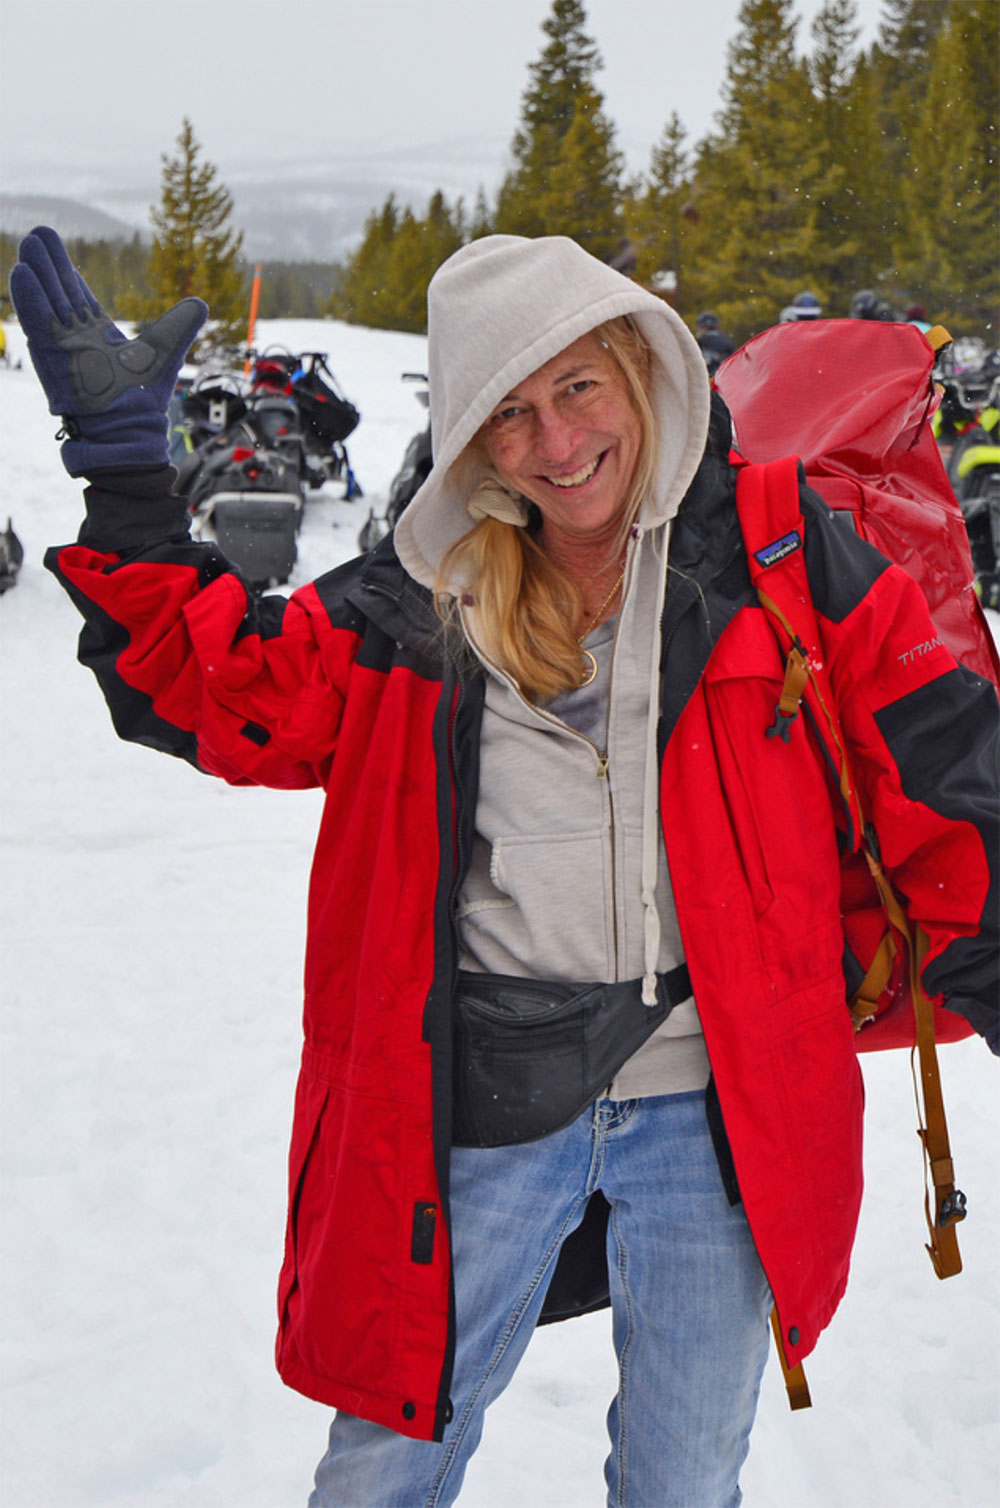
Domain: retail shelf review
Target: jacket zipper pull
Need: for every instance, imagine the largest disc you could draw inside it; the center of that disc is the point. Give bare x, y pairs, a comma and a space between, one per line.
602, 767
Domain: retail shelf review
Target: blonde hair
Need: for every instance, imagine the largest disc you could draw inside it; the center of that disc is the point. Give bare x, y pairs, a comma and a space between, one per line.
527, 607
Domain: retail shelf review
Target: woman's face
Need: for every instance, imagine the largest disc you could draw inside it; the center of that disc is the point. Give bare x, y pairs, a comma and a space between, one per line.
567, 438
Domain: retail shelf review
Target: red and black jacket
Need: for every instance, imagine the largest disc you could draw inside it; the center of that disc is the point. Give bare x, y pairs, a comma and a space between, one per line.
353, 685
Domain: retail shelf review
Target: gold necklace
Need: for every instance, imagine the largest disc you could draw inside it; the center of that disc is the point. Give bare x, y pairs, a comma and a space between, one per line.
590, 668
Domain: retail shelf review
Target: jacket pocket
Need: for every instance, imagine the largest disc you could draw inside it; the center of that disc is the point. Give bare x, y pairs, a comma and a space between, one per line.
349, 1235
310, 1102
777, 797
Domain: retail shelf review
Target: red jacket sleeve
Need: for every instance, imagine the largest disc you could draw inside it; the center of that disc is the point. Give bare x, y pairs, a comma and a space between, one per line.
193, 664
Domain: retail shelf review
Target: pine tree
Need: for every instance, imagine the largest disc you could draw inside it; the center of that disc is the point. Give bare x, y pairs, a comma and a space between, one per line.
481, 223
655, 213
836, 30
295, 290
946, 250
131, 266
418, 250
857, 212
582, 197
363, 296
906, 35
977, 24
866, 206
760, 57
385, 283
760, 179
563, 148
902, 58
194, 250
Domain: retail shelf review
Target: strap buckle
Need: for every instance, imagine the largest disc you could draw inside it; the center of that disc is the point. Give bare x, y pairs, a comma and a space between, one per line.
796, 678
953, 1207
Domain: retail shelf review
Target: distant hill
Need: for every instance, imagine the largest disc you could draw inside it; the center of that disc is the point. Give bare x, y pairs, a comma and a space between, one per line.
20, 213
300, 210
281, 220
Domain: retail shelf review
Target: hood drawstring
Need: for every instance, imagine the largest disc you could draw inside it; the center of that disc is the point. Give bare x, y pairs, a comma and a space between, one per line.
651, 789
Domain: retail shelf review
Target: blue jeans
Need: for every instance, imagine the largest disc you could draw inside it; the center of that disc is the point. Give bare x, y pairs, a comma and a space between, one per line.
689, 1300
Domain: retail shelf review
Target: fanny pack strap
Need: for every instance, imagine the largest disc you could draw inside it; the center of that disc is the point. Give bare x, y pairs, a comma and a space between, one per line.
674, 986
671, 987
530, 1054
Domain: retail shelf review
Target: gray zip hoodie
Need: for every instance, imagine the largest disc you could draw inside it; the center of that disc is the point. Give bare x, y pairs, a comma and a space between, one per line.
568, 878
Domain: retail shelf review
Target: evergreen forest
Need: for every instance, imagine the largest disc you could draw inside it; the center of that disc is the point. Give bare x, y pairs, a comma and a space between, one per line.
829, 168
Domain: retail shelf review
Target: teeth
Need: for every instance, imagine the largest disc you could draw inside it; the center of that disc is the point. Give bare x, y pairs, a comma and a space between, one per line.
578, 477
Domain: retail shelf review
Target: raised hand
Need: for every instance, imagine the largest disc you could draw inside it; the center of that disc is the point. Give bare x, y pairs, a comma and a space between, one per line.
112, 392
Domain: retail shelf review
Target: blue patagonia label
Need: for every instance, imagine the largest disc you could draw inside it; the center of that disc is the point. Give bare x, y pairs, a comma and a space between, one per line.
772, 553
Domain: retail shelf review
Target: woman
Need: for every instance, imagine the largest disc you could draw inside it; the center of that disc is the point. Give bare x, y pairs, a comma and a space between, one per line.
575, 1006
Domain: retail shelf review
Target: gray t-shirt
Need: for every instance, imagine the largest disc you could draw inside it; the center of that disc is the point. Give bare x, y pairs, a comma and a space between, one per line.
586, 708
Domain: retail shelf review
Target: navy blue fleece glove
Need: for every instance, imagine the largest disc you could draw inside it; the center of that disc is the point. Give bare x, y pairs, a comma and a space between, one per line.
112, 392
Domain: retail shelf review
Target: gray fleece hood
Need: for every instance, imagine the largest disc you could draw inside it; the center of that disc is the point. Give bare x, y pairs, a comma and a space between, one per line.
498, 310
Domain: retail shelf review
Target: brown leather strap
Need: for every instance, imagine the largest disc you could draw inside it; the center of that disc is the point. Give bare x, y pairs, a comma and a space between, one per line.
775, 483
796, 681
932, 1125
949, 1202
864, 1001
847, 788
795, 1378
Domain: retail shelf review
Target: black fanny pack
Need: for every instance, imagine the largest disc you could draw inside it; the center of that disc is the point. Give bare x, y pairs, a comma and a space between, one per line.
529, 1055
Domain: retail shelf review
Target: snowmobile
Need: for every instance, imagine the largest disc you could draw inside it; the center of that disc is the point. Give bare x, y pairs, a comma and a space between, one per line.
417, 462
11, 556
967, 429
326, 417
243, 477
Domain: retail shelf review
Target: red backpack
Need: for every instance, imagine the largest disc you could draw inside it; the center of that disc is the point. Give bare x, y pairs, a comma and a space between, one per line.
852, 401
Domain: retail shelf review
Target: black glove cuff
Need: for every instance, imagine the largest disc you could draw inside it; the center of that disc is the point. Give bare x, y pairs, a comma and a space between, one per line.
141, 482
133, 510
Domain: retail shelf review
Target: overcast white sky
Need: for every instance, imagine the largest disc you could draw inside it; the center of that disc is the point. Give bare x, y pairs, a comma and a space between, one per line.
101, 86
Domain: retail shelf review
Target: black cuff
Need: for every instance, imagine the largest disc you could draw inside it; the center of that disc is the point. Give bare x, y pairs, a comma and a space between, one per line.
133, 509
981, 1017
143, 482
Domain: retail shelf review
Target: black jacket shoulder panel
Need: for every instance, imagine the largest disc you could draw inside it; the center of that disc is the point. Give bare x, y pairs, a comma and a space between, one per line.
335, 589
376, 598
841, 566
944, 739
708, 579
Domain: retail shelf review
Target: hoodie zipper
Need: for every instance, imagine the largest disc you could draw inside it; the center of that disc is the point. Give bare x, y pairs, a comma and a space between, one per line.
602, 772
601, 757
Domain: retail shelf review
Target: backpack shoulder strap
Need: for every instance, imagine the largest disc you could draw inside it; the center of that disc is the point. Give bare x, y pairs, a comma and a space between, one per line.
767, 500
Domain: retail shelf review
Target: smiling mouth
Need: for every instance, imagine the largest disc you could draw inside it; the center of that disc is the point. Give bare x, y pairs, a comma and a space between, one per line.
578, 478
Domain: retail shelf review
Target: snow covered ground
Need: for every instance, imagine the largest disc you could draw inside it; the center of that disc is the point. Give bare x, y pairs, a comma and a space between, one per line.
152, 931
